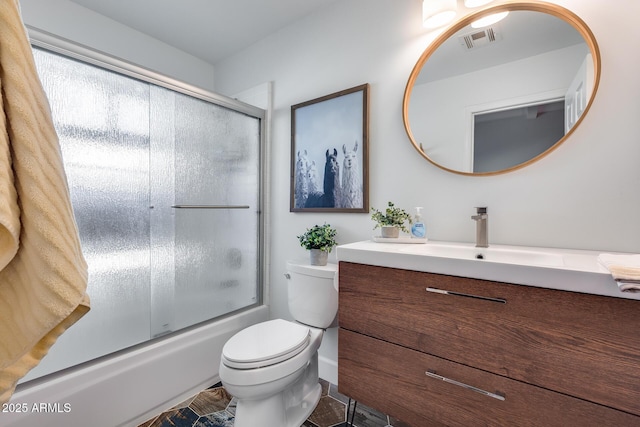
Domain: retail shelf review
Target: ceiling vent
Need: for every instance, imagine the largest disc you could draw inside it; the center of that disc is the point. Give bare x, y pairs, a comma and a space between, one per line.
480, 38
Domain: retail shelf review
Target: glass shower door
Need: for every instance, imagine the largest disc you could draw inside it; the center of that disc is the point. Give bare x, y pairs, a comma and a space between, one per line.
165, 189
216, 210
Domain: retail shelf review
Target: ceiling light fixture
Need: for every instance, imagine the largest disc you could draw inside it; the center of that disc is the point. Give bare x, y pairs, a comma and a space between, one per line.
437, 13
476, 3
489, 20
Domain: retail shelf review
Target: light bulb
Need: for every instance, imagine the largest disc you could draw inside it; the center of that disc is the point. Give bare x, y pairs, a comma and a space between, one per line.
476, 3
489, 20
436, 13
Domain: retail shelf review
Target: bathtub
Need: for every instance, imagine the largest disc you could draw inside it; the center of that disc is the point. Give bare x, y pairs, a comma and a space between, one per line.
129, 387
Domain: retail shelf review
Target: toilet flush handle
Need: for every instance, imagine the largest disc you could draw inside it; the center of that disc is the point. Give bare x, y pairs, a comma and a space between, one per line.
287, 276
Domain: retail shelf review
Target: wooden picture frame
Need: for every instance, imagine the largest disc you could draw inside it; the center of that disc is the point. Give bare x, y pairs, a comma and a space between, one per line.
330, 153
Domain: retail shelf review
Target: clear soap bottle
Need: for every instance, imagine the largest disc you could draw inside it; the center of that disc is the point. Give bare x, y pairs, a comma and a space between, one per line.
418, 230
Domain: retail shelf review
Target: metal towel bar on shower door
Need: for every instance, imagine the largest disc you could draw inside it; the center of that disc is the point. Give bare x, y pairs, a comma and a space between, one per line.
210, 206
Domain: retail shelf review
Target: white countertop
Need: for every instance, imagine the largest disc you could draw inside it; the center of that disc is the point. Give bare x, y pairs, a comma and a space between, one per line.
562, 269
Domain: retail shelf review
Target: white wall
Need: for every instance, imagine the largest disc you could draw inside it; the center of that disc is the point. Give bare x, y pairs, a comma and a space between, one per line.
583, 195
69, 20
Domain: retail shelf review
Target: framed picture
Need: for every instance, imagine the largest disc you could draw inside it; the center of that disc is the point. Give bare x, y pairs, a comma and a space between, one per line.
329, 153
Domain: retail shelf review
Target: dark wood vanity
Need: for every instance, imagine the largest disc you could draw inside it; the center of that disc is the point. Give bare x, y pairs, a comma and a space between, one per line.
440, 350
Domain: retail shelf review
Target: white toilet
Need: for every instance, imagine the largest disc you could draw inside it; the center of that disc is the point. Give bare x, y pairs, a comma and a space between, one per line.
271, 368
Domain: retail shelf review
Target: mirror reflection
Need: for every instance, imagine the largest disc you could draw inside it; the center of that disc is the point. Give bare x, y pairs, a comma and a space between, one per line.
492, 99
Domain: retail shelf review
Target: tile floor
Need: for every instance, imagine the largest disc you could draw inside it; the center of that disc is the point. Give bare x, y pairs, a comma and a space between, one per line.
214, 407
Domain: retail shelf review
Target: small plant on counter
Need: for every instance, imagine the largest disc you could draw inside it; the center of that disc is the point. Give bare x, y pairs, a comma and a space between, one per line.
321, 237
392, 217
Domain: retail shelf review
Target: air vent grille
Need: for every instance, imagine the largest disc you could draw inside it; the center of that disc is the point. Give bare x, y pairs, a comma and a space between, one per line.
480, 38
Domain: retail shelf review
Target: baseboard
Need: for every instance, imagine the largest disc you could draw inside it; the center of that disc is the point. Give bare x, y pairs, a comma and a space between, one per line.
328, 369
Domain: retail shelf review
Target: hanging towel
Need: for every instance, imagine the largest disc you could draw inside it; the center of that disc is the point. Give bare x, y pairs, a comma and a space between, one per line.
625, 270
43, 274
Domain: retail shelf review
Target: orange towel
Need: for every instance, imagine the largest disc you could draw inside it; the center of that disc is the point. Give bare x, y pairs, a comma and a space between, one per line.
43, 275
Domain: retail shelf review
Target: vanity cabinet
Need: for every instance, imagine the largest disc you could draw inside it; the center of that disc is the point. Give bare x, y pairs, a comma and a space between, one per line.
438, 350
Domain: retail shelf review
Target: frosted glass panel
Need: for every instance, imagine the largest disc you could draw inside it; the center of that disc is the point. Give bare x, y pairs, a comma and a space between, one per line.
162, 215
217, 165
216, 268
102, 121
217, 153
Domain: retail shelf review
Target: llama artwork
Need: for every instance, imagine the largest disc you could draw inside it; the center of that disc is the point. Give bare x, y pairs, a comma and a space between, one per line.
338, 190
329, 153
302, 182
312, 177
330, 196
351, 190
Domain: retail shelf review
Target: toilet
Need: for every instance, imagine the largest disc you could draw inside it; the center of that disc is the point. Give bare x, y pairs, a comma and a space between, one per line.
271, 368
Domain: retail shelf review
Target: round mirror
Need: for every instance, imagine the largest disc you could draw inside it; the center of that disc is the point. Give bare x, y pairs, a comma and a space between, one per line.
488, 100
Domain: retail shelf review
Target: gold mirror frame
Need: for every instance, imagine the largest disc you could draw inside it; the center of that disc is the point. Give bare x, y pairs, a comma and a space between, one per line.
552, 9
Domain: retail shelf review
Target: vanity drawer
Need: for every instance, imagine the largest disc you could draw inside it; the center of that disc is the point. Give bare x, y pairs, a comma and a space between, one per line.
582, 345
393, 380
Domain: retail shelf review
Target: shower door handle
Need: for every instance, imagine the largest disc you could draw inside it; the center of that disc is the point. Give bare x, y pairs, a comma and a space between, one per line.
210, 206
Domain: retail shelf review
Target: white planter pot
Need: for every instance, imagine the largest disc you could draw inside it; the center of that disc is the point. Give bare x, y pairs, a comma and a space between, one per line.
318, 257
390, 231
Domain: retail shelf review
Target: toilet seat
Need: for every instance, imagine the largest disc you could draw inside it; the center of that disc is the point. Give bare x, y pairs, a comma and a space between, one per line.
265, 344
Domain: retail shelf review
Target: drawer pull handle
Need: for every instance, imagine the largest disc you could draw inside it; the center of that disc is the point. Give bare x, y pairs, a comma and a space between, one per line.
432, 374
460, 294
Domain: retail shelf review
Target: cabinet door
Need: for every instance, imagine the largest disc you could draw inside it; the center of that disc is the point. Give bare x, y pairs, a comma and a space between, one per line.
581, 345
394, 380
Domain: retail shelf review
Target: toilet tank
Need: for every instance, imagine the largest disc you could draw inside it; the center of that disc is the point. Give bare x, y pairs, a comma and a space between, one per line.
313, 293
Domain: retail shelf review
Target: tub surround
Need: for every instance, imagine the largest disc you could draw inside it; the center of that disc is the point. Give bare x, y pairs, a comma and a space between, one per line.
523, 336
560, 269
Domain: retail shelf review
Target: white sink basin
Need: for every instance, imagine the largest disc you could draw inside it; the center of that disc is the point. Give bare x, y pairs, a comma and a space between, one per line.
554, 268
503, 254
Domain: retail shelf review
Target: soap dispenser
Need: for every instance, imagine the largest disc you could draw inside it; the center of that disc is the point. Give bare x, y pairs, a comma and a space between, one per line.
418, 230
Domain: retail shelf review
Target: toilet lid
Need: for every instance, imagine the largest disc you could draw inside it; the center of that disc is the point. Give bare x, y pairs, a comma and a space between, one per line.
265, 344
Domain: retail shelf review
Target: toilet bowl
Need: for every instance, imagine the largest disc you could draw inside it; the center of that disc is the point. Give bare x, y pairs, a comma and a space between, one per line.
271, 368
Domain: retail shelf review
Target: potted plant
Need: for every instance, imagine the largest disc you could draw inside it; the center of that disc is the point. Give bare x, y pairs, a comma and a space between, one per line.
319, 240
391, 221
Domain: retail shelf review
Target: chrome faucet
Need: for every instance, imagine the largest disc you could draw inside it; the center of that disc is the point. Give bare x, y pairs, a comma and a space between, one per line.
481, 218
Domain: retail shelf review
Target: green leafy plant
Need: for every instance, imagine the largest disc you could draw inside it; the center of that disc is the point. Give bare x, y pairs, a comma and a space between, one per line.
321, 237
392, 216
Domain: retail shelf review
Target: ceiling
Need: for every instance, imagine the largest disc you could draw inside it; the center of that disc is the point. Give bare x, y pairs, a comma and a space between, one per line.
523, 34
208, 29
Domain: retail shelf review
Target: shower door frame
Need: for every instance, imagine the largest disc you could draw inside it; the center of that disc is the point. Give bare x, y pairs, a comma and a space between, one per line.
73, 50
